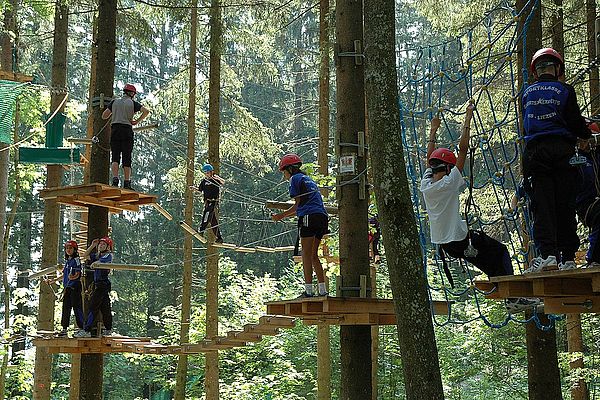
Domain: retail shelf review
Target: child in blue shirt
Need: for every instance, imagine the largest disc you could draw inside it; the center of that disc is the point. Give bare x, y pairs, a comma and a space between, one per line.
100, 299
312, 220
72, 288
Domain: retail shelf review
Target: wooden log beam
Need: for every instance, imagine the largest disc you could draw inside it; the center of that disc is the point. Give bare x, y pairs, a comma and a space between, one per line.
45, 271
161, 210
15, 77
192, 232
124, 267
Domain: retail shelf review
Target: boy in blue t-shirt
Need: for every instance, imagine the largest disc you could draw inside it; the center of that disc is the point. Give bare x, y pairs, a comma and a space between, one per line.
71, 277
100, 299
312, 220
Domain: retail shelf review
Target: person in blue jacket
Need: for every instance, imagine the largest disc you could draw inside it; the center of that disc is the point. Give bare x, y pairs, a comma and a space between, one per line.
312, 220
100, 299
552, 122
71, 277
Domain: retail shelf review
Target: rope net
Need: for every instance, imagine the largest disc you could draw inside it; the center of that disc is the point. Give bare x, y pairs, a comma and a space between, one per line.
479, 66
9, 91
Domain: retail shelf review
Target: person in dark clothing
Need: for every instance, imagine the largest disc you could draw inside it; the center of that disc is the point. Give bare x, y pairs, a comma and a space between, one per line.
71, 277
121, 137
374, 237
552, 122
210, 187
100, 299
587, 194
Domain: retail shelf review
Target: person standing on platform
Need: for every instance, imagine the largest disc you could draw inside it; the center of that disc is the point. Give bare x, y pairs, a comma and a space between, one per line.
312, 220
121, 137
99, 251
71, 277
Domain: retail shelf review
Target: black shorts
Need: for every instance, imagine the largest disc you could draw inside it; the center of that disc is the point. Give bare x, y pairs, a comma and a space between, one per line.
313, 225
121, 142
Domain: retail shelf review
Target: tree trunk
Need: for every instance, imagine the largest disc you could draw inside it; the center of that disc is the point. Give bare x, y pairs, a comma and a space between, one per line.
91, 91
182, 363
543, 372
557, 30
323, 331
579, 390
594, 83
52, 225
355, 341
91, 376
214, 158
420, 364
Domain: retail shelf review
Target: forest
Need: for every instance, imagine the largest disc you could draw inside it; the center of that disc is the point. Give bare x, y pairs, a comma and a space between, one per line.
351, 87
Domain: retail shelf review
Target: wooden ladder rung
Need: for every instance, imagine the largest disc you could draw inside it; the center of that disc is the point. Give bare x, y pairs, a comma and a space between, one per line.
278, 321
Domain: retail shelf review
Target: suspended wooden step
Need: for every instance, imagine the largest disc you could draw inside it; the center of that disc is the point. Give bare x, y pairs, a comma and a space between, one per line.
328, 259
124, 267
15, 77
344, 311
284, 205
97, 194
46, 271
106, 344
571, 291
192, 232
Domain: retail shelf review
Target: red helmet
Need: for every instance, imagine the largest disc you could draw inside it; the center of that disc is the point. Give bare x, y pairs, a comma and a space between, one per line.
108, 242
71, 243
545, 53
443, 154
289, 159
594, 127
130, 88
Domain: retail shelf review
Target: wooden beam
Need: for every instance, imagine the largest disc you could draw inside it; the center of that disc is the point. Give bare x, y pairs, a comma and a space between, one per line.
124, 267
15, 77
277, 320
94, 201
284, 205
192, 232
161, 210
261, 329
562, 287
572, 305
52, 193
45, 271
242, 249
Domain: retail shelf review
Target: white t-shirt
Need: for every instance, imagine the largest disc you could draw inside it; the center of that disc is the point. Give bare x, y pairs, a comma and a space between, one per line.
442, 203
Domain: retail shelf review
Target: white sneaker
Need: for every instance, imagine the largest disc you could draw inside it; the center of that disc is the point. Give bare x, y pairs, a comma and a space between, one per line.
540, 264
567, 265
521, 304
81, 334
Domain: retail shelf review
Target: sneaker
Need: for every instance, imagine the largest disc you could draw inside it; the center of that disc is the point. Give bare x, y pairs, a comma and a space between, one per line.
107, 332
115, 181
127, 185
567, 265
304, 295
82, 334
540, 264
62, 333
323, 294
521, 304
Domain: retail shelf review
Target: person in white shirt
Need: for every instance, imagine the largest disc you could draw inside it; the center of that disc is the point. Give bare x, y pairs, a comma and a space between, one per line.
441, 186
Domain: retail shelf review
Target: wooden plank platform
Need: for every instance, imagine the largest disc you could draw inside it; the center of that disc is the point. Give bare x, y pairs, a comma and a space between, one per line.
343, 310
97, 194
562, 291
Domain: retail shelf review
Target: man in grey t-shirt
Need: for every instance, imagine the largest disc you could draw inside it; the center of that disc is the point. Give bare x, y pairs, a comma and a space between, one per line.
121, 139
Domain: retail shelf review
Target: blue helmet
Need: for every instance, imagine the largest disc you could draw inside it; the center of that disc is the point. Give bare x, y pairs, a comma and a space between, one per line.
207, 168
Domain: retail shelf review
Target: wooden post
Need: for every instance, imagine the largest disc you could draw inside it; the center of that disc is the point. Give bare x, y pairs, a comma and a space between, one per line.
374, 337
355, 341
182, 363
214, 158
92, 365
579, 391
75, 376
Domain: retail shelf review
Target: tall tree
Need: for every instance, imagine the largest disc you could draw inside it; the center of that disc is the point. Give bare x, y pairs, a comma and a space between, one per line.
45, 317
323, 330
214, 158
186, 295
592, 40
542, 359
355, 341
92, 365
422, 378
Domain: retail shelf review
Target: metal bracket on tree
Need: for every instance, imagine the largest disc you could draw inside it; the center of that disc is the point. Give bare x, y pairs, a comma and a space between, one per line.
357, 53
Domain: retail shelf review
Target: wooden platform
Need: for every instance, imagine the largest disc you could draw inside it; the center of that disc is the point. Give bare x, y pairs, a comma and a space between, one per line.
268, 325
343, 311
572, 291
97, 194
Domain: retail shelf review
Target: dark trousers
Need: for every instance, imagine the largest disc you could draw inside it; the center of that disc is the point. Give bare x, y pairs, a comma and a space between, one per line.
492, 256
99, 301
553, 191
210, 215
593, 253
72, 300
